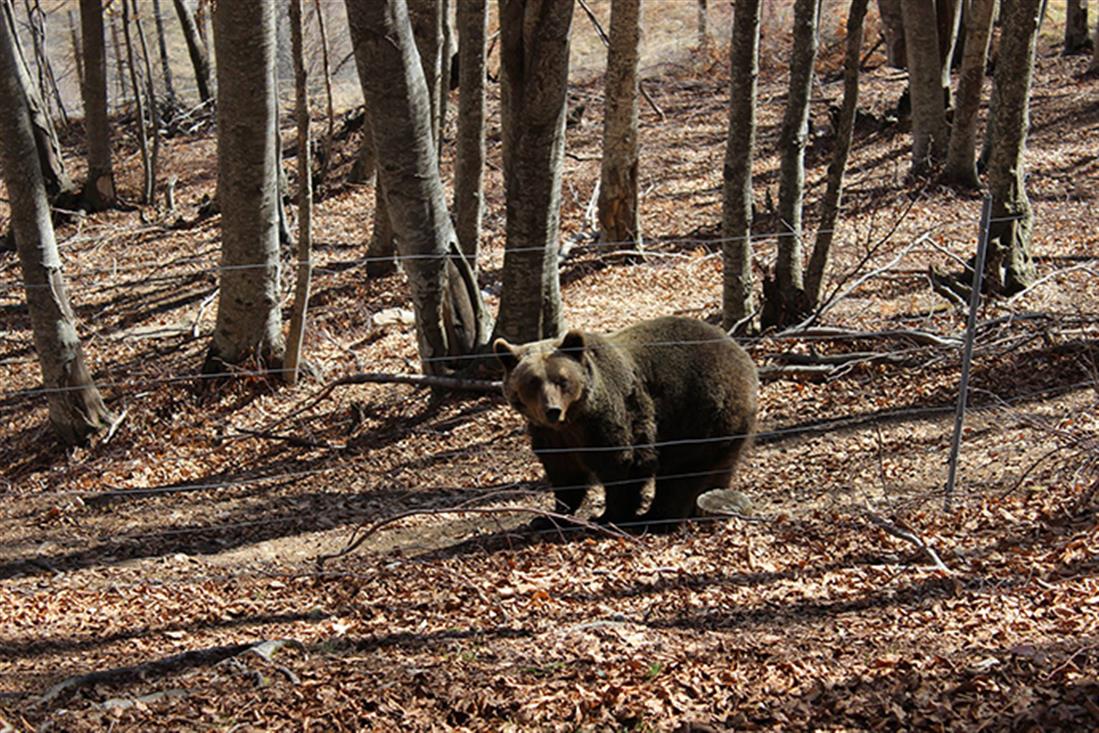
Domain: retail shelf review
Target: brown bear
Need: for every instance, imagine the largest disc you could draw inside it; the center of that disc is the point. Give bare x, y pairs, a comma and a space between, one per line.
670, 399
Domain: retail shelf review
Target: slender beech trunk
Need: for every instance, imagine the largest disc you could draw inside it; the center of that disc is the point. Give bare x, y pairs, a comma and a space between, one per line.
925, 84
119, 65
427, 29
784, 298
446, 302
139, 102
534, 63
162, 44
305, 200
249, 319
703, 23
892, 21
78, 52
76, 409
830, 205
59, 187
99, 191
738, 300
154, 106
1010, 266
1076, 27
469, 167
961, 157
619, 214
326, 69
195, 49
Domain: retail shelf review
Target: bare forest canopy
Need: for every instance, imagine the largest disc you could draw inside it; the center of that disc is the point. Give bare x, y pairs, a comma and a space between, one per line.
257, 470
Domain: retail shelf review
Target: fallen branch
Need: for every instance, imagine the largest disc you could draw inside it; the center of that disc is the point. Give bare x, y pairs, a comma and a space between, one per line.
908, 536
291, 439
924, 338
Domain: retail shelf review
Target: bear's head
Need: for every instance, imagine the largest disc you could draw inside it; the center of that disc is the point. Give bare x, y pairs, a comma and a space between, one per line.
545, 380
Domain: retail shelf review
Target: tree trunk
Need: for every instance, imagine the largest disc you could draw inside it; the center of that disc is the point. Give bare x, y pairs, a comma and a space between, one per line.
949, 15
427, 29
703, 25
78, 52
1010, 266
1076, 27
961, 158
449, 312
249, 319
99, 191
119, 65
925, 84
162, 44
139, 101
892, 21
76, 408
52, 165
469, 167
1093, 68
154, 106
738, 302
822, 249
330, 107
785, 301
305, 200
619, 215
195, 49
534, 62
446, 55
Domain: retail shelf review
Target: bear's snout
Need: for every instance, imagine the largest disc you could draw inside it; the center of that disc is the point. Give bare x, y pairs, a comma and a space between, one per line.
554, 414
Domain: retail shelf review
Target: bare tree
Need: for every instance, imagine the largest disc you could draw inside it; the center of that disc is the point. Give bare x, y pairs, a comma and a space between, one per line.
534, 61
829, 208
148, 174
76, 408
153, 106
326, 70
195, 49
892, 22
784, 298
469, 166
738, 300
99, 191
929, 128
619, 214
961, 157
427, 28
305, 199
78, 52
703, 25
449, 312
1010, 266
249, 319
162, 44
1076, 26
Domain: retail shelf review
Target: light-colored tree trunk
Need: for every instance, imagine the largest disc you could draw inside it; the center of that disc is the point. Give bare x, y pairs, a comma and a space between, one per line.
296, 337
78, 51
469, 166
784, 299
830, 205
99, 191
449, 312
153, 104
119, 65
892, 21
195, 49
534, 62
619, 213
249, 318
929, 138
76, 408
949, 14
326, 70
961, 157
1010, 266
427, 29
738, 300
51, 163
162, 45
139, 101
1076, 26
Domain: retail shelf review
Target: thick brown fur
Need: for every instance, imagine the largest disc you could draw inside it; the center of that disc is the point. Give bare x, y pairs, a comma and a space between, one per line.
671, 399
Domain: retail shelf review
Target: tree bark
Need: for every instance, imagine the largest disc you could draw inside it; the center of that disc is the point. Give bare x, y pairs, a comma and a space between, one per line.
99, 191
1076, 27
305, 200
448, 310
51, 163
139, 101
1010, 266
195, 49
78, 51
1093, 68
925, 84
119, 65
427, 29
892, 21
469, 167
154, 106
249, 319
330, 105
619, 214
703, 25
76, 408
785, 301
534, 61
738, 301
162, 44
961, 157
822, 249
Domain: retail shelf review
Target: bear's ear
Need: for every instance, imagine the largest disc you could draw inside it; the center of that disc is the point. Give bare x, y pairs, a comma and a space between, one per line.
573, 345
506, 354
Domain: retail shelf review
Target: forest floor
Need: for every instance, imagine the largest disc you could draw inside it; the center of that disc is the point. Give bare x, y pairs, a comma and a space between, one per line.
168, 578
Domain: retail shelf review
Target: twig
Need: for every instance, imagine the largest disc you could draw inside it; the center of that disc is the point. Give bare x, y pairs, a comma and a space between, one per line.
291, 439
908, 536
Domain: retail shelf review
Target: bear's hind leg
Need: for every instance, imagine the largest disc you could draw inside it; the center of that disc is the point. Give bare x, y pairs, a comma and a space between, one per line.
675, 497
623, 499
